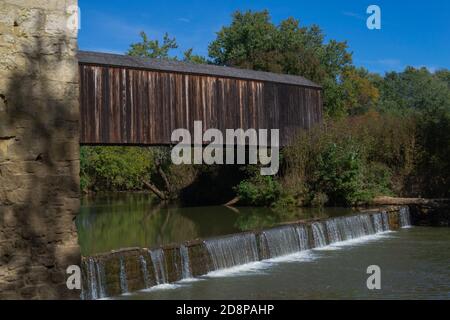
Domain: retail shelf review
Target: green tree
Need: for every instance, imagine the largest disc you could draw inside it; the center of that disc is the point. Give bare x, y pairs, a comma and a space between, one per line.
253, 41
193, 58
359, 93
414, 90
152, 48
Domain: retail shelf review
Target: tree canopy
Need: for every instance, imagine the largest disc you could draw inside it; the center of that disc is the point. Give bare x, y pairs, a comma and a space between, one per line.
253, 41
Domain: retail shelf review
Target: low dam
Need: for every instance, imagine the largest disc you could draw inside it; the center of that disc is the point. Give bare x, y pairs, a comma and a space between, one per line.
129, 270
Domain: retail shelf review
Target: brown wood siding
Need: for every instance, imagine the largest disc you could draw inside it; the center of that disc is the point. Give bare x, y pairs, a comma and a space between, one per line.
142, 107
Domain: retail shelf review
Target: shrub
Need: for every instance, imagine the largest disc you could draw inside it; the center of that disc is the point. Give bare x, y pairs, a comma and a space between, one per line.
339, 173
351, 160
115, 168
259, 191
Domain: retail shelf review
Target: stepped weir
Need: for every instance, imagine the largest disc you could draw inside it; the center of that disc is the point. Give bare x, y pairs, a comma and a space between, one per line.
129, 270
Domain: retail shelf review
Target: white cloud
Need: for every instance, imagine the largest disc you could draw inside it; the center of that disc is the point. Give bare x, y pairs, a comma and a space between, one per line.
354, 15
392, 63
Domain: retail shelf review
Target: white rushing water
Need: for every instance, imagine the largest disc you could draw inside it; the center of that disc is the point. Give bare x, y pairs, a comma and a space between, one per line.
159, 266
318, 230
233, 250
378, 222
101, 280
92, 279
186, 269
285, 240
405, 217
123, 277
144, 271
302, 233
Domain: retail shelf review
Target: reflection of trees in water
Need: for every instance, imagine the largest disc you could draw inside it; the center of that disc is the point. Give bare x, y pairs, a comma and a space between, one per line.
259, 218
114, 221
130, 221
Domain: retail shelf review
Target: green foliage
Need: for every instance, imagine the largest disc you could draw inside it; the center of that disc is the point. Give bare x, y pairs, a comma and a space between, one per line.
351, 160
152, 48
115, 168
339, 173
377, 180
414, 90
426, 96
259, 191
253, 41
193, 58
434, 161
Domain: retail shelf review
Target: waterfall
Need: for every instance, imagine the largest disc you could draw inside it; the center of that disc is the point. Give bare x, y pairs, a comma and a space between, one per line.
232, 251
101, 280
285, 240
144, 271
385, 217
92, 280
302, 233
159, 265
123, 277
352, 227
378, 222
282, 241
318, 235
185, 268
333, 230
368, 224
405, 217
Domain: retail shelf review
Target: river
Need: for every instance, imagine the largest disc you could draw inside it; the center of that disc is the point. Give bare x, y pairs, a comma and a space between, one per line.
113, 221
414, 262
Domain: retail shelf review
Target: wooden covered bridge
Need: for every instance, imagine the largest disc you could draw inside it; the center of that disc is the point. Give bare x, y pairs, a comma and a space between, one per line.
127, 100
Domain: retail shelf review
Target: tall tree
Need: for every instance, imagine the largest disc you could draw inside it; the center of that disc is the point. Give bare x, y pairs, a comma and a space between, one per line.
253, 41
153, 48
414, 90
189, 56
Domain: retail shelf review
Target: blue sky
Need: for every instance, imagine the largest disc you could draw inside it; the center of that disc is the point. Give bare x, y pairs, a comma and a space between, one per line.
415, 33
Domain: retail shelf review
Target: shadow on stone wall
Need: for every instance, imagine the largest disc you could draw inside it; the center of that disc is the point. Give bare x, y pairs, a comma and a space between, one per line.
39, 168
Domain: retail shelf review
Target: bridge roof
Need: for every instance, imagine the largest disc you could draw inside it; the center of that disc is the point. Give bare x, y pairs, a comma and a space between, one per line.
108, 59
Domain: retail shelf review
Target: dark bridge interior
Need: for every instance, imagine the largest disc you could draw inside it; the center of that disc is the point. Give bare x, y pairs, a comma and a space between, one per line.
136, 101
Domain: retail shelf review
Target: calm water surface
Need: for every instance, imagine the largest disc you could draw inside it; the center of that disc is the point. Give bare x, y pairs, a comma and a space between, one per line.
123, 220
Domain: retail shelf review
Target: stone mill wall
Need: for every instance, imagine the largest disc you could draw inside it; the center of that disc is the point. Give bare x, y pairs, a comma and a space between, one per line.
39, 148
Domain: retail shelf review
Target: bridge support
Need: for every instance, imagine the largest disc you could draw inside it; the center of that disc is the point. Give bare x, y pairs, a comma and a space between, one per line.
39, 148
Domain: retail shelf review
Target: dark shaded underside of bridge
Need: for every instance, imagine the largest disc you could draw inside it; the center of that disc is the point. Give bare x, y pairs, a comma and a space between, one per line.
137, 101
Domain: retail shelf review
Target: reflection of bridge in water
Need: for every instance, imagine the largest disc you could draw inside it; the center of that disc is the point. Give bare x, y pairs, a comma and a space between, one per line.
136, 101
